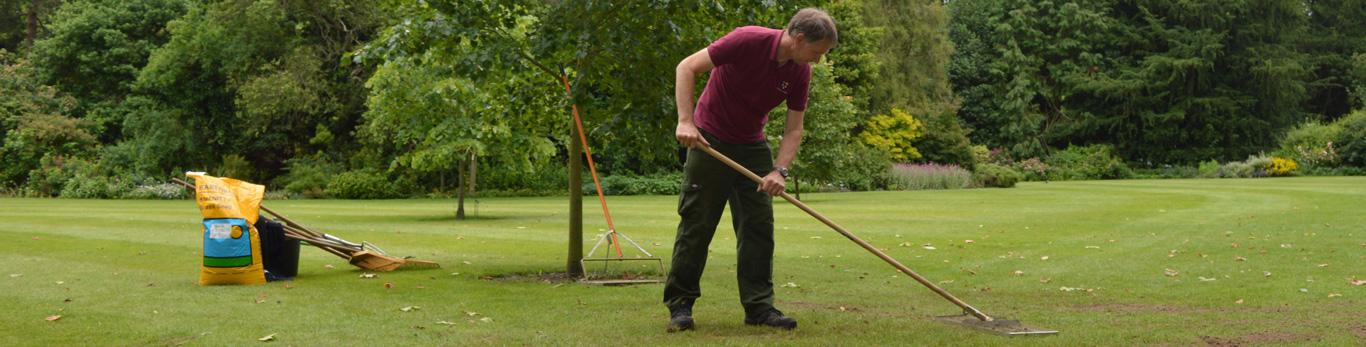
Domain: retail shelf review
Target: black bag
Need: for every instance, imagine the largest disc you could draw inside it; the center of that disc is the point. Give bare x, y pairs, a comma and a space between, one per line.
279, 254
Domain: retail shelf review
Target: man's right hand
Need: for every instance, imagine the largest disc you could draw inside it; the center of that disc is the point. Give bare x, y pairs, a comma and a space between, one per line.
688, 135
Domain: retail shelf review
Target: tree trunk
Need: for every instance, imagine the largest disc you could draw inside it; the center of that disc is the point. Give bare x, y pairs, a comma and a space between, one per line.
575, 268
474, 170
460, 207
798, 185
32, 24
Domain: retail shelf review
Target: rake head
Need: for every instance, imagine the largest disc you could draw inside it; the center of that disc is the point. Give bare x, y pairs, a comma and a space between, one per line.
369, 260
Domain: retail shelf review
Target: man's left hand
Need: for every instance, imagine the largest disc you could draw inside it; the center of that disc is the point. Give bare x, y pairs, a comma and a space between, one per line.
773, 184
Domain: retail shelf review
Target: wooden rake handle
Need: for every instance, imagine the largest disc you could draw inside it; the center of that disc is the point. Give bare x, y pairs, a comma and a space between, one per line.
966, 308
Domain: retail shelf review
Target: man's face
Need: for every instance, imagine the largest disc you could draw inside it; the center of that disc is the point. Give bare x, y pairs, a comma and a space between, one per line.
807, 52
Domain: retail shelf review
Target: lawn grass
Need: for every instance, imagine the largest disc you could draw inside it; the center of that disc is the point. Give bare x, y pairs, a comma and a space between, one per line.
124, 272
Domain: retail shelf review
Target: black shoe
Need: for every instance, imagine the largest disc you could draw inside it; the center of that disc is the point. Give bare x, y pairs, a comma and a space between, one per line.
680, 318
773, 318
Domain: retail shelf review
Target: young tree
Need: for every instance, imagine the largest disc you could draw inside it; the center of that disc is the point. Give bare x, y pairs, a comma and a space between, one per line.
621, 55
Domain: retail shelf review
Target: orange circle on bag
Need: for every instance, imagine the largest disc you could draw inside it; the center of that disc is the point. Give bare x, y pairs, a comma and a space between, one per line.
236, 231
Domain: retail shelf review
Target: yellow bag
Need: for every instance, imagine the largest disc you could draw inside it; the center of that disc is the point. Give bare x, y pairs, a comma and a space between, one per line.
232, 245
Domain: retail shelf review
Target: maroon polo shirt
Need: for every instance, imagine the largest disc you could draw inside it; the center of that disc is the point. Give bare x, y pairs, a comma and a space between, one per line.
748, 83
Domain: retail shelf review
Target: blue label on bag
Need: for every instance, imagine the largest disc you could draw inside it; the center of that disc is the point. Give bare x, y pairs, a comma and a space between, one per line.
227, 242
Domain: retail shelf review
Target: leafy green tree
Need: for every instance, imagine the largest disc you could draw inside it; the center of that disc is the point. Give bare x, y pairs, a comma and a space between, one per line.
912, 53
24, 21
264, 79
827, 139
895, 133
437, 121
1216, 80
34, 120
945, 141
1164, 81
1336, 31
96, 49
1359, 77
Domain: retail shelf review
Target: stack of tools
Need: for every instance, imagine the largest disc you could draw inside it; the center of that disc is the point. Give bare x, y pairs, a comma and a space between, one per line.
363, 255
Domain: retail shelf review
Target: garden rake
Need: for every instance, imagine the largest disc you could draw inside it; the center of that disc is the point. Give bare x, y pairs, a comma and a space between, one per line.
611, 235
970, 318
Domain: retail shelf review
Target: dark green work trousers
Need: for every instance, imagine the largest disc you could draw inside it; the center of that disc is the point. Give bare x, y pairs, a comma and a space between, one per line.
708, 184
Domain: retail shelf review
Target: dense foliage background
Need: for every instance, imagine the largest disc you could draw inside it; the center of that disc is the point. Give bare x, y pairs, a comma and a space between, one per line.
388, 99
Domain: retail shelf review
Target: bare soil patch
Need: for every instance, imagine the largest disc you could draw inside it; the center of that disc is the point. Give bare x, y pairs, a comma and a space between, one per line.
1257, 339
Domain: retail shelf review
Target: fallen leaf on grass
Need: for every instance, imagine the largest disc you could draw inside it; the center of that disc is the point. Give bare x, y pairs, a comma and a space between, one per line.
262, 295
486, 320
1043, 258
388, 285
410, 309
1171, 272
287, 286
928, 247
1334, 295
35, 237
52, 318
367, 275
152, 284
1017, 272
445, 322
1046, 280
1092, 246
472, 313
1239, 258
656, 243
15, 275
1202, 278
1355, 282
967, 241
946, 282
267, 338
1323, 265
968, 270
329, 266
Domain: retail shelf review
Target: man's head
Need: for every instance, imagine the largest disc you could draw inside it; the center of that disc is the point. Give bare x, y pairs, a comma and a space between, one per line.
814, 33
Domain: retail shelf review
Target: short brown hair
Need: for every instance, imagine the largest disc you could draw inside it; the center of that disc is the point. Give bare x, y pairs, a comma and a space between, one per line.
816, 24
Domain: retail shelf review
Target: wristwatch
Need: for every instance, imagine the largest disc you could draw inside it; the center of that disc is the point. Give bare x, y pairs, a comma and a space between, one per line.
781, 171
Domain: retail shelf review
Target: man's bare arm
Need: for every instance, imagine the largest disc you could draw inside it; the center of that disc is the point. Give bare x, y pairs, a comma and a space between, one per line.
684, 88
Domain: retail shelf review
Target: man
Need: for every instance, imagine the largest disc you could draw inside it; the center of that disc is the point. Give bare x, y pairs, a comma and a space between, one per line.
753, 70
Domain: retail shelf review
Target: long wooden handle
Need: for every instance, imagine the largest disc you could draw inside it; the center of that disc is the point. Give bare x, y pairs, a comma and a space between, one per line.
966, 308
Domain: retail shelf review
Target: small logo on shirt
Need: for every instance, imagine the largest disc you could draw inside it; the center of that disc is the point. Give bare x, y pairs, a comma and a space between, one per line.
783, 87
